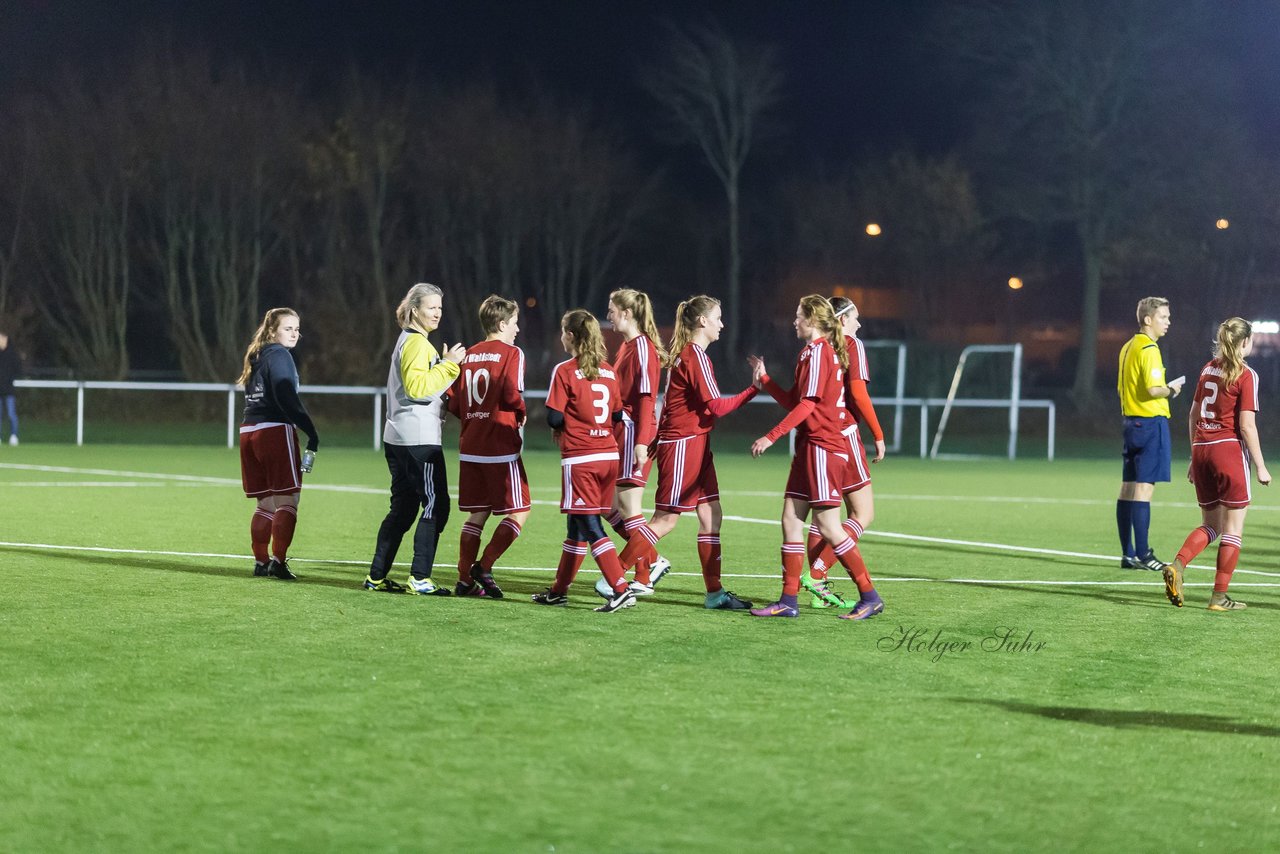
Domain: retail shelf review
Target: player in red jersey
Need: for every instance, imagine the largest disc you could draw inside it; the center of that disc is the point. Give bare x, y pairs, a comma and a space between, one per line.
686, 470
1224, 442
583, 405
858, 498
488, 399
637, 364
819, 470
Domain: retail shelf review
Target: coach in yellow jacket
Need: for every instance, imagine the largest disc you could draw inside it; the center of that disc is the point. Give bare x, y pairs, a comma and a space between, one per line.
416, 385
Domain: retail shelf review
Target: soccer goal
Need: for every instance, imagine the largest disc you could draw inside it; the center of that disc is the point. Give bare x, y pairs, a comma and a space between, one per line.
1014, 403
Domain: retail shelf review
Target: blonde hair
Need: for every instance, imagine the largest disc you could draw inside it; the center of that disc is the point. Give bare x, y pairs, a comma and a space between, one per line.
588, 343
413, 301
817, 310
494, 310
1147, 307
687, 314
637, 302
265, 334
1232, 333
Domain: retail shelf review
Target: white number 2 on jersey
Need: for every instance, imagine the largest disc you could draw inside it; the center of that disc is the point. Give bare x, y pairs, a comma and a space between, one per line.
1207, 414
601, 402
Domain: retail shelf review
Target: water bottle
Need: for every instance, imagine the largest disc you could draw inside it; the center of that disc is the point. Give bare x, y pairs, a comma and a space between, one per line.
308, 461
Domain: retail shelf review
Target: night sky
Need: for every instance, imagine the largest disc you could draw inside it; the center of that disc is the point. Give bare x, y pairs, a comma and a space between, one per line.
861, 76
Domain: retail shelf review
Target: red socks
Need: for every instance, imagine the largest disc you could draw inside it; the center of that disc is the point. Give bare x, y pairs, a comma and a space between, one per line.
1196, 542
260, 534
571, 556
851, 559
709, 555
606, 557
503, 537
468, 548
792, 566
1228, 556
286, 519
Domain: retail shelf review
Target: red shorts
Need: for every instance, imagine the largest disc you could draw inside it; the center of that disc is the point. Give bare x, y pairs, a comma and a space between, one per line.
498, 487
818, 475
629, 474
270, 462
587, 483
686, 474
859, 471
1220, 471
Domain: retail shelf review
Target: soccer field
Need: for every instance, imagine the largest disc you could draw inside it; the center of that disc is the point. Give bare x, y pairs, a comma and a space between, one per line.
1020, 691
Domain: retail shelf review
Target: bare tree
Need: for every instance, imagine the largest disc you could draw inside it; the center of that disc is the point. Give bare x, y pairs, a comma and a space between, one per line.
216, 181
716, 91
83, 201
1076, 94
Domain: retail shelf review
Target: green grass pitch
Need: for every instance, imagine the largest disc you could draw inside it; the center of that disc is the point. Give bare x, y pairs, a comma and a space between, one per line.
1020, 692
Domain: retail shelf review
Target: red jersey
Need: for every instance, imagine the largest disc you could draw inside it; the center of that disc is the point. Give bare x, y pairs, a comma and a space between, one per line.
820, 378
588, 407
488, 399
1216, 406
637, 368
691, 383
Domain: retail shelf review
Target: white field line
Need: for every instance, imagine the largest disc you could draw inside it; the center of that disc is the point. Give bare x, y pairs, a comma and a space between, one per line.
189, 479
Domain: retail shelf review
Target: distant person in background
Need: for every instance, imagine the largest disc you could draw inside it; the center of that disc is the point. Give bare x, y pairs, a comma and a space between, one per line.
10, 370
488, 398
1224, 443
271, 466
417, 382
1144, 400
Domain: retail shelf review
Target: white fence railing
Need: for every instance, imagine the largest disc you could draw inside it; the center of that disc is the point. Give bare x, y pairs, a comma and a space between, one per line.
376, 394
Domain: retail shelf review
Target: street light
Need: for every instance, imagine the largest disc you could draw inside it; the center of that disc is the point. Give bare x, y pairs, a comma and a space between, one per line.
1222, 224
1015, 284
873, 229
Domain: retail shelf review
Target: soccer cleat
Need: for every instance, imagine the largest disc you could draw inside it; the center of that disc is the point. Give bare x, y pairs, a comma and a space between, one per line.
13, 440
824, 595
603, 590
777, 609
426, 587
485, 580
1223, 602
468, 588
865, 609
1173, 583
259, 569
550, 597
280, 569
640, 588
1131, 562
660, 567
1151, 562
383, 585
724, 600
625, 599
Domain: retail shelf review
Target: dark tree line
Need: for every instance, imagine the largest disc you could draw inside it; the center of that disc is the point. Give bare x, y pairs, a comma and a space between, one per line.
162, 205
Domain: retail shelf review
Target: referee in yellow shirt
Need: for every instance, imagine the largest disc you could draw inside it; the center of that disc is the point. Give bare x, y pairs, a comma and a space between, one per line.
1144, 399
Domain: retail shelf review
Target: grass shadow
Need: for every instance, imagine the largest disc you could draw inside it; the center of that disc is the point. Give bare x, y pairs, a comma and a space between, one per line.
1119, 719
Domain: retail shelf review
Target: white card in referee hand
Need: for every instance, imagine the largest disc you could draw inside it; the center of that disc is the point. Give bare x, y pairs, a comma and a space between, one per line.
1177, 383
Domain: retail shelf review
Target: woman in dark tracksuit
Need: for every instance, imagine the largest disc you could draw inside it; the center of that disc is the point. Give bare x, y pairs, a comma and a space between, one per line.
271, 466
416, 385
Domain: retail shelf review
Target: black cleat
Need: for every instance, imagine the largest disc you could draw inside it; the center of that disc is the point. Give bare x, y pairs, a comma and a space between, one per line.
259, 569
280, 569
625, 599
485, 580
550, 597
